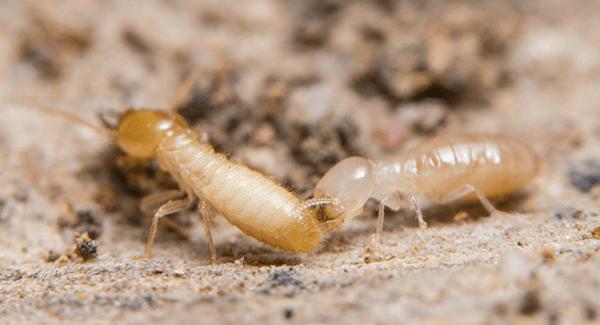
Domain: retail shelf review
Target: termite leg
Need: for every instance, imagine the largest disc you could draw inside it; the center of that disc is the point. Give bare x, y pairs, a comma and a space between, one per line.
170, 207
466, 190
311, 203
380, 218
420, 217
151, 203
373, 252
208, 214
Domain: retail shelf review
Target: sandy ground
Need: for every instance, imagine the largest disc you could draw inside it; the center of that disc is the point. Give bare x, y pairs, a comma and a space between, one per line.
290, 88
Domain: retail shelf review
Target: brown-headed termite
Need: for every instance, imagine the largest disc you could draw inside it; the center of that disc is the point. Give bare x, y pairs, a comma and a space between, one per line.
252, 202
444, 168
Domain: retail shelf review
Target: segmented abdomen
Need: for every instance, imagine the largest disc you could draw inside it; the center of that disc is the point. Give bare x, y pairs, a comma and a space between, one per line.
246, 198
494, 164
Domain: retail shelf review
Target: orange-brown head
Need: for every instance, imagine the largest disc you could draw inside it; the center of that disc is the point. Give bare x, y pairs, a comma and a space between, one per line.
140, 131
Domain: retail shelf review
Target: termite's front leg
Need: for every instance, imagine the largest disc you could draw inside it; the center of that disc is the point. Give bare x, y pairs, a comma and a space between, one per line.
171, 206
393, 201
380, 217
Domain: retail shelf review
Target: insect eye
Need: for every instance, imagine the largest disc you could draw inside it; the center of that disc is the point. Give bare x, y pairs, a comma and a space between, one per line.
110, 118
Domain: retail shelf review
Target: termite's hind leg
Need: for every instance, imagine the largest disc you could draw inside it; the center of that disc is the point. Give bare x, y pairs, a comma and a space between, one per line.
208, 214
466, 190
171, 206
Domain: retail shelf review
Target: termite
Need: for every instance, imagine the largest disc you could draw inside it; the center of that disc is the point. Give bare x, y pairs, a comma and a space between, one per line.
444, 168
249, 200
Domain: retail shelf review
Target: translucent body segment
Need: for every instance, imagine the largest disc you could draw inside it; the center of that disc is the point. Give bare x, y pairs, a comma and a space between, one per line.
494, 164
444, 168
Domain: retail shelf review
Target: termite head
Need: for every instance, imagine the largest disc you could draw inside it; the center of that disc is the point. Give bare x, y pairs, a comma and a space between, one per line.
350, 183
140, 131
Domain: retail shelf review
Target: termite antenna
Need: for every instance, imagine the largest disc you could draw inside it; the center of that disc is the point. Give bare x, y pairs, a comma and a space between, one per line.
325, 226
109, 134
186, 88
308, 204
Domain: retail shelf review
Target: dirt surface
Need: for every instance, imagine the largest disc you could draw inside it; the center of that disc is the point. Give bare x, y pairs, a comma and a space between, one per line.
290, 88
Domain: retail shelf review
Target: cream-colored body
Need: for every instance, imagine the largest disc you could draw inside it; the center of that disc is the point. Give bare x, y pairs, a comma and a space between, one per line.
255, 204
250, 201
494, 164
443, 168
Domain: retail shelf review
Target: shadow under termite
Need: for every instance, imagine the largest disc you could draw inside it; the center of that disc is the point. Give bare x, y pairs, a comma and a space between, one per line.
464, 210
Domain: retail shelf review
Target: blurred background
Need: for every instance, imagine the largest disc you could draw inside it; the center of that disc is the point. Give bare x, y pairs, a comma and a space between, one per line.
290, 88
